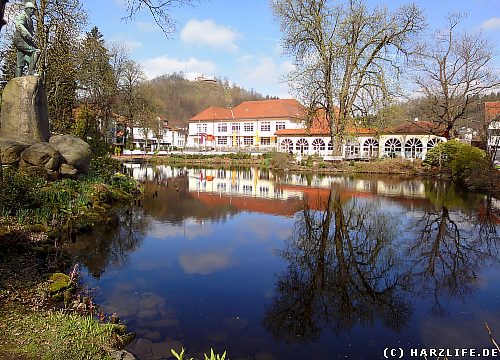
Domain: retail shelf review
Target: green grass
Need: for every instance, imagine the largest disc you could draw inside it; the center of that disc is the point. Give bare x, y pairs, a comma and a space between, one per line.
53, 335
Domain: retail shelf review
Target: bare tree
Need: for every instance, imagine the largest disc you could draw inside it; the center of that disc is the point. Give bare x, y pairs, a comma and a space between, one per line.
453, 69
346, 55
159, 9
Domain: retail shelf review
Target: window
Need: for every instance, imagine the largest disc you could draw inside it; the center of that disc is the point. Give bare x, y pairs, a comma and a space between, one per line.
352, 149
265, 126
330, 146
264, 191
222, 140
280, 125
318, 145
287, 145
180, 142
248, 140
302, 146
248, 127
433, 142
370, 148
247, 189
201, 128
221, 173
265, 141
235, 127
392, 147
221, 187
413, 148
246, 174
222, 127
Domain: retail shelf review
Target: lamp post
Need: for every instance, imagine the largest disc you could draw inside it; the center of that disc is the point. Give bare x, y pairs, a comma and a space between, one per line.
2, 12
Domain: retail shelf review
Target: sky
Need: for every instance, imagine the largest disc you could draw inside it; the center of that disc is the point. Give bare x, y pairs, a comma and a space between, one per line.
239, 39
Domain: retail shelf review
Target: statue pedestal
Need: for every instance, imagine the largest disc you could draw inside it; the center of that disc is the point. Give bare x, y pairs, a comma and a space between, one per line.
24, 111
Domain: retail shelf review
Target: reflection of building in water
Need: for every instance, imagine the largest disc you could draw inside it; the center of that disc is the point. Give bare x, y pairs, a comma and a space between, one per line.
264, 183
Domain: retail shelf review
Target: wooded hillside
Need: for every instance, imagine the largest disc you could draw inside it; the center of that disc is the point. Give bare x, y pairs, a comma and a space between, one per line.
181, 99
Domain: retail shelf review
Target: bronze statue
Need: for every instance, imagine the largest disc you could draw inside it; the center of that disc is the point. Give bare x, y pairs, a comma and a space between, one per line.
24, 41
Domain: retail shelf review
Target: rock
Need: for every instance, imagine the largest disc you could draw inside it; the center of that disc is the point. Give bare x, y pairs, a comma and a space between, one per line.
75, 151
43, 155
67, 170
122, 355
11, 151
24, 110
60, 282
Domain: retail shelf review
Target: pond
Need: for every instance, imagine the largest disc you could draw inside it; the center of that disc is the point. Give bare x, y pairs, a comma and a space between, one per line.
290, 266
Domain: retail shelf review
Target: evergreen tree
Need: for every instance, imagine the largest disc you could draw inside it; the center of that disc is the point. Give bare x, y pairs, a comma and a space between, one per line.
61, 83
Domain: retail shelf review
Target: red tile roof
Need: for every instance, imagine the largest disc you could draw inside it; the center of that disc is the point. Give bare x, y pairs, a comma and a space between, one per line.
491, 110
281, 108
213, 113
416, 127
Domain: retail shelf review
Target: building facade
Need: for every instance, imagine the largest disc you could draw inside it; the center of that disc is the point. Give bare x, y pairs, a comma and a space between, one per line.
250, 125
279, 124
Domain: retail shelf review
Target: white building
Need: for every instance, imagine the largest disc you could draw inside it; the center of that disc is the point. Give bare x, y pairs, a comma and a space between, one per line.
163, 138
252, 124
279, 124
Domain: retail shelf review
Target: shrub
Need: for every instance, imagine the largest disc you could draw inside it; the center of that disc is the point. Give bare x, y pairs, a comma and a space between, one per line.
462, 159
21, 191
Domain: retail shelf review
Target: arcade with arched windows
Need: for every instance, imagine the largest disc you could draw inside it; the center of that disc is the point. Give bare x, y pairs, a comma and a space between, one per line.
409, 146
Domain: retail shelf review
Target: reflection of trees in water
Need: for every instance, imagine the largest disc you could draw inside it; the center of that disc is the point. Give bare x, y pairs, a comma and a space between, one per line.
110, 244
341, 271
345, 266
449, 253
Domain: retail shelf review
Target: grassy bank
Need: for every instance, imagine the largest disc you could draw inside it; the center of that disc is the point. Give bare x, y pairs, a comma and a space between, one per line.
37, 321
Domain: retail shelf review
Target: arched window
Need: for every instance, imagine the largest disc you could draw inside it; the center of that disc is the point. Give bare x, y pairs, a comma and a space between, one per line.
370, 148
287, 145
352, 150
318, 145
433, 142
302, 146
392, 147
413, 148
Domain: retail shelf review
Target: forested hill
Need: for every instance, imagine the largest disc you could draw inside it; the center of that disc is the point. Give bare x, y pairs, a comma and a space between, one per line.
181, 99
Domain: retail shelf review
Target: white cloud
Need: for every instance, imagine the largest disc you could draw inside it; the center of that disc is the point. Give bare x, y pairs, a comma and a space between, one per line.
205, 263
192, 67
264, 71
209, 33
491, 24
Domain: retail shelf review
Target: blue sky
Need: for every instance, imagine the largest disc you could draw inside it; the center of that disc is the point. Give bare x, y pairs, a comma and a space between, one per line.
240, 40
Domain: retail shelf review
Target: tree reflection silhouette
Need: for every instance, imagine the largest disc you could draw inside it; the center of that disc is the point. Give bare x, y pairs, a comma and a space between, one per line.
449, 253
110, 244
342, 271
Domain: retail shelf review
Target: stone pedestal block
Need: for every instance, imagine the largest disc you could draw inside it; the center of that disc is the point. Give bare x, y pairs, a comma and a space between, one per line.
24, 111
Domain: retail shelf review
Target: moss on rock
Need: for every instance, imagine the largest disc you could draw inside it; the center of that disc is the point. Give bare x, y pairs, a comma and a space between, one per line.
59, 283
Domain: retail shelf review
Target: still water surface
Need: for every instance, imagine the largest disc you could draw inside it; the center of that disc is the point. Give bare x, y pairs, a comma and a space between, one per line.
287, 266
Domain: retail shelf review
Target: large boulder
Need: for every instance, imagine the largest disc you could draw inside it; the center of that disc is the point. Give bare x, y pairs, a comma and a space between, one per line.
42, 155
75, 151
11, 151
24, 110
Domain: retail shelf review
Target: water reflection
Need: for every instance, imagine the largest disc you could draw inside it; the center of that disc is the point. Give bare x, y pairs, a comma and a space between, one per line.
110, 244
346, 266
283, 265
342, 270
